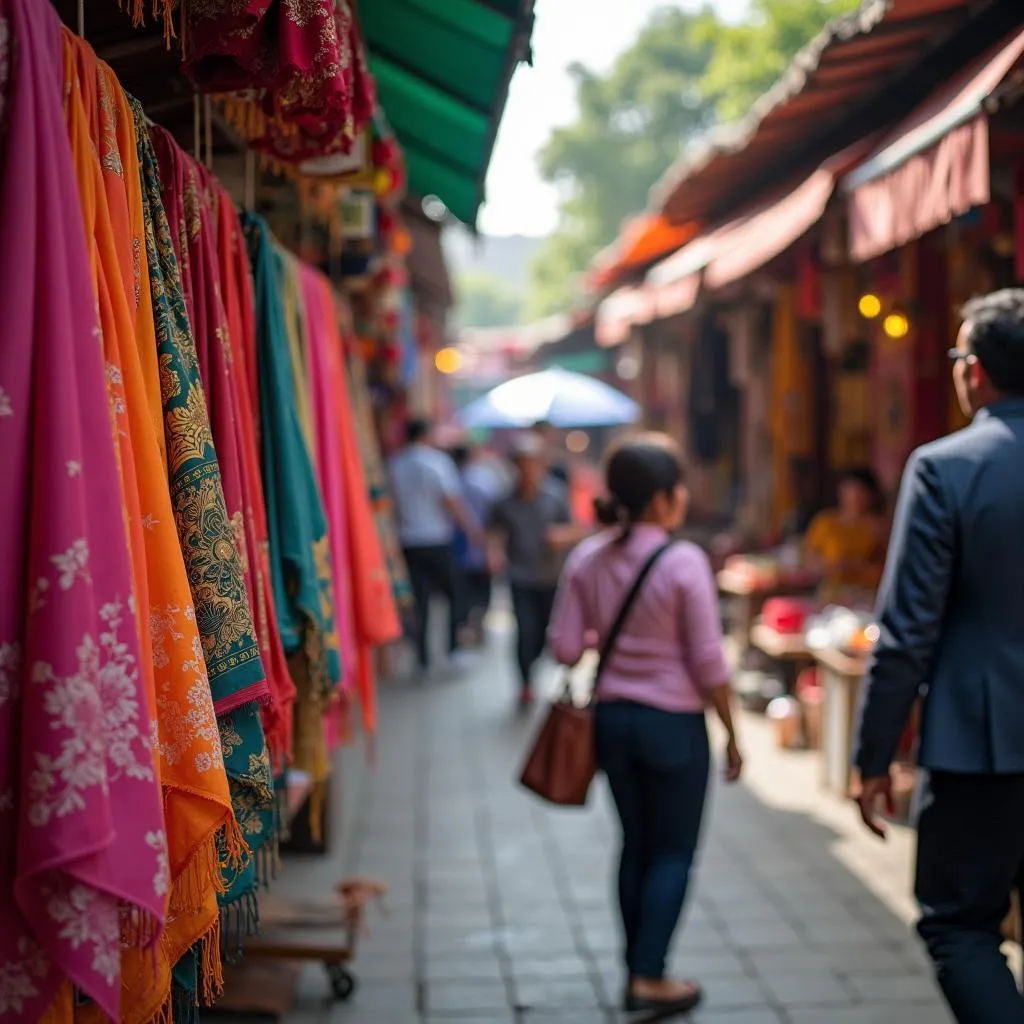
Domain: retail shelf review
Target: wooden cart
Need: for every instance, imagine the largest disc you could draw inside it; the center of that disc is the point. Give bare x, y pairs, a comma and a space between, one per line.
263, 983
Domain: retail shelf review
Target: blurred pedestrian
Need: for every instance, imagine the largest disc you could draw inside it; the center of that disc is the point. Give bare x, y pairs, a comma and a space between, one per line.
531, 529
667, 665
845, 545
558, 466
950, 611
429, 505
480, 489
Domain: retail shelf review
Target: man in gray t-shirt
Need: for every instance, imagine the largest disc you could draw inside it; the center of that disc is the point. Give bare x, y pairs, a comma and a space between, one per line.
530, 531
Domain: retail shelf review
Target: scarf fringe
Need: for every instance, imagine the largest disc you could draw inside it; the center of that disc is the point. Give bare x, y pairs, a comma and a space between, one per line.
162, 9
268, 861
235, 853
200, 873
239, 920
211, 965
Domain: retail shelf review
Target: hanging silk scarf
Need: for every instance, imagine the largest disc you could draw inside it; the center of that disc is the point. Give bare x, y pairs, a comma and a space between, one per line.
240, 310
208, 543
376, 475
305, 59
299, 544
296, 330
321, 358
83, 857
196, 798
377, 621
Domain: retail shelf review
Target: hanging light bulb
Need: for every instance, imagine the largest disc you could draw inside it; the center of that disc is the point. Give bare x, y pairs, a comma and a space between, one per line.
870, 306
448, 360
896, 325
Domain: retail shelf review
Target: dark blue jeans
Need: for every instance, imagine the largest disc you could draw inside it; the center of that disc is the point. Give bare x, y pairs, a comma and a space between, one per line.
657, 766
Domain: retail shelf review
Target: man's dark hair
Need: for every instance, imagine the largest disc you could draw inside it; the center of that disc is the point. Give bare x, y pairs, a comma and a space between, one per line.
416, 430
460, 454
996, 337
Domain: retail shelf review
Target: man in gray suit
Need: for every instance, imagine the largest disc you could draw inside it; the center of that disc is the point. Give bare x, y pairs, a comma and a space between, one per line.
951, 620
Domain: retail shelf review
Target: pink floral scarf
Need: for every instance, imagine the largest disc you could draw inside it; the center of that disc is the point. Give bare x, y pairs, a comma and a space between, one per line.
76, 757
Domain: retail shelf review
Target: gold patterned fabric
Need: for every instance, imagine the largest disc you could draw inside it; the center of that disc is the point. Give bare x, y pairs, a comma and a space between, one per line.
213, 559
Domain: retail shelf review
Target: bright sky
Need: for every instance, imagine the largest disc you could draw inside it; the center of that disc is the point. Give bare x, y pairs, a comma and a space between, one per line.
592, 32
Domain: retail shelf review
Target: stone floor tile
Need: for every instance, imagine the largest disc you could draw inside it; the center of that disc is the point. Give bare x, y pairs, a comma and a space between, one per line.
820, 988
891, 988
734, 992
551, 994
762, 1015
465, 997
878, 1013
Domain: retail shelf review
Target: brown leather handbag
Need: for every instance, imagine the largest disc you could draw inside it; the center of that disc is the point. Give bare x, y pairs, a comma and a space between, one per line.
561, 764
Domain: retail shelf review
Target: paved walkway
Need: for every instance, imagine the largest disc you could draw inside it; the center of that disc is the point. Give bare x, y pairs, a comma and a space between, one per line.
500, 909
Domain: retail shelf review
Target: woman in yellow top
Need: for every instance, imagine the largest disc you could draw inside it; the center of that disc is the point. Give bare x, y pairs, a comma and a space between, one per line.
846, 544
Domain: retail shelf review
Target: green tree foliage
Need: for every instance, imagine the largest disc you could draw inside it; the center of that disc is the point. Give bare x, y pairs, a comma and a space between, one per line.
685, 72
630, 128
749, 58
485, 300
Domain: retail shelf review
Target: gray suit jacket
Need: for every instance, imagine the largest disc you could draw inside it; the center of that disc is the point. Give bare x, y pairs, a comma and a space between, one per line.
951, 606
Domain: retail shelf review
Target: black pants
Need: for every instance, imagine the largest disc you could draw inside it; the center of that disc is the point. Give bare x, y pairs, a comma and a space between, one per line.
970, 855
476, 595
657, 765
432, 570
532, 607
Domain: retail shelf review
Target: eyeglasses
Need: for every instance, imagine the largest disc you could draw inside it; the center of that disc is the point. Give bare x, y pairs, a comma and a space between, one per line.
957, 355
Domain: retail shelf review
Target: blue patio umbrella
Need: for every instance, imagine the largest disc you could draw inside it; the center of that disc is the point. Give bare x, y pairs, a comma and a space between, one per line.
565, 399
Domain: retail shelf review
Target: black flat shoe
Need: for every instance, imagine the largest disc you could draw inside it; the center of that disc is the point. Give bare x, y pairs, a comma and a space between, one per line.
662, 1009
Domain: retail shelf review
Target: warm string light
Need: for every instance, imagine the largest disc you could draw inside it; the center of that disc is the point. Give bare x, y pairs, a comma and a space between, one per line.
896, 325
870, 306
448, 360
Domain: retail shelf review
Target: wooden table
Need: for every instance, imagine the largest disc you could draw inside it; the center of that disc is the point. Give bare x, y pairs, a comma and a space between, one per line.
780, 646
749, 596
790, 651
840, 677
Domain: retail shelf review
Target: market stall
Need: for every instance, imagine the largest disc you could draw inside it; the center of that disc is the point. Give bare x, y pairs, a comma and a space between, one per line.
196, 570
747, 583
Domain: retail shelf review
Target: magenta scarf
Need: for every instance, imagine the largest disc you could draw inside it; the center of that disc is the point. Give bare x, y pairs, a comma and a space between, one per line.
83, 860
323, 381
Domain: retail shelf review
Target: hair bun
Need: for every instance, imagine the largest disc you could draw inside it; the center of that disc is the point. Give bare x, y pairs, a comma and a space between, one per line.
608, 510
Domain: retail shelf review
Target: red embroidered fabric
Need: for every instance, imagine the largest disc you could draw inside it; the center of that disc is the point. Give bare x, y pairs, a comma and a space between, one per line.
301, 61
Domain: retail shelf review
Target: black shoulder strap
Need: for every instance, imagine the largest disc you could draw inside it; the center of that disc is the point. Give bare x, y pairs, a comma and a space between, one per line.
627, 607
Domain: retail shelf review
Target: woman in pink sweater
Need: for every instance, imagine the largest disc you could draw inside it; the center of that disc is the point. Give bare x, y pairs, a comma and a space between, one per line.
666, 668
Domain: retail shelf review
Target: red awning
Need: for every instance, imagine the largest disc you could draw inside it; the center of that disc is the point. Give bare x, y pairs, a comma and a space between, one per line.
933, 166
674, 283
620, 311
768, 229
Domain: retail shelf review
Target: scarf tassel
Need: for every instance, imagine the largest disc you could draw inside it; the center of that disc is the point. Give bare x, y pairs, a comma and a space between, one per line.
240, 920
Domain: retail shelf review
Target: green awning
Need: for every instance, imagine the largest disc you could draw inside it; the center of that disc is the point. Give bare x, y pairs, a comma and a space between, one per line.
442, 69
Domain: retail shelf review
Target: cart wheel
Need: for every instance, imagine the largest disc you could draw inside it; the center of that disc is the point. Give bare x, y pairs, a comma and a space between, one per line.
343, 981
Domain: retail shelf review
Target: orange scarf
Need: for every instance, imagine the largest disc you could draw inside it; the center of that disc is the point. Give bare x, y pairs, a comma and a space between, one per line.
197, 804
374, 611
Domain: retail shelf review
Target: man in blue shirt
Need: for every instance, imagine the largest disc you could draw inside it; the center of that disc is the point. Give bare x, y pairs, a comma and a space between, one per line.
429, 505
480, 489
